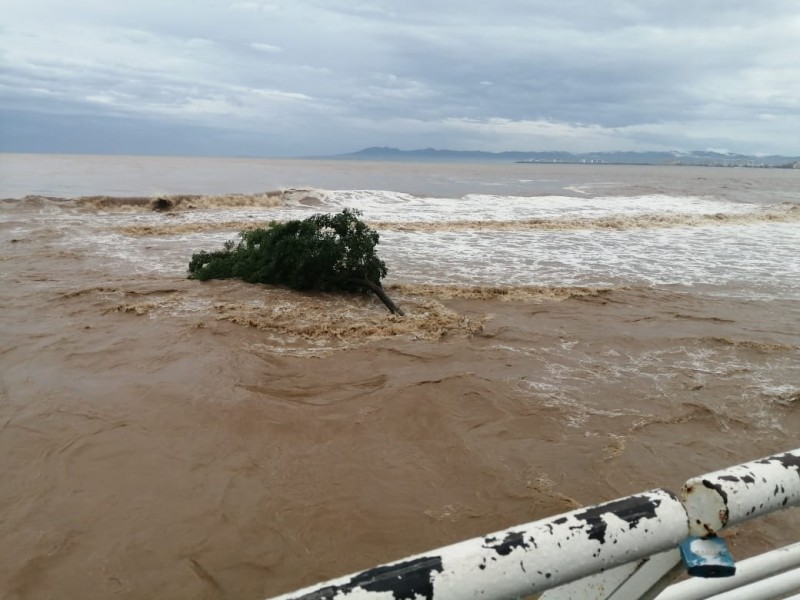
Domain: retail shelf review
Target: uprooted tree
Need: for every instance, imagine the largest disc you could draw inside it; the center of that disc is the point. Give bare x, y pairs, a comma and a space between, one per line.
323, 252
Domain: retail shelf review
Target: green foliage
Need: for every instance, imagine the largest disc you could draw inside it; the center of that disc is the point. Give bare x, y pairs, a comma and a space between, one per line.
322, 252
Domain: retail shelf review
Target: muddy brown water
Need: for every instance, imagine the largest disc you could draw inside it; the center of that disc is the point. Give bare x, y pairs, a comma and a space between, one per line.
150, 452
165, 438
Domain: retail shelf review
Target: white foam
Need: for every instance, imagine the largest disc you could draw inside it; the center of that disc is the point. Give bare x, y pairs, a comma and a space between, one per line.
753, 259
394, 206
755, 255
574, 380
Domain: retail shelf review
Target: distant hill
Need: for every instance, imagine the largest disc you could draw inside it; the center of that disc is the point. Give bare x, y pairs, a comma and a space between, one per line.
697, 158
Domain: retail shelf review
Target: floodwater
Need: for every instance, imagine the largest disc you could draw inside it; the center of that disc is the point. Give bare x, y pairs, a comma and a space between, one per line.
573, 333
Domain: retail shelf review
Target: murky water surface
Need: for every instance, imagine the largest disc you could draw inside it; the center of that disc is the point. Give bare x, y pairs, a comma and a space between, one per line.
572, 334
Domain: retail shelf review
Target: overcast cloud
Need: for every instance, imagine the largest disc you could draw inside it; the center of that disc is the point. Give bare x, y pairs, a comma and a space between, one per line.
309, 77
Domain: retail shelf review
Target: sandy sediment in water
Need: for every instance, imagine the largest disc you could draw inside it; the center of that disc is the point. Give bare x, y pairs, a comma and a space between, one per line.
507, 293
655, 221
645, 221
170, 438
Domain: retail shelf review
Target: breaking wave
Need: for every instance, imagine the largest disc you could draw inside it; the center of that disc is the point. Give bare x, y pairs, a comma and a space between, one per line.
616, 223
180, 202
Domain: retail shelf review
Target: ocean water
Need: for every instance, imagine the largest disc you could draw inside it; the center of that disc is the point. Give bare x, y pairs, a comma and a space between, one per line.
573, 333
596, 233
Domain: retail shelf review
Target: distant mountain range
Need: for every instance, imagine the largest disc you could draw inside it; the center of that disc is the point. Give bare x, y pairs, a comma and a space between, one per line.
696, 158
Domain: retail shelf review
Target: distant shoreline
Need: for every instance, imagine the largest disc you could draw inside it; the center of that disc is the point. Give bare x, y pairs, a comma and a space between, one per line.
673, 158
431, 156
795, 165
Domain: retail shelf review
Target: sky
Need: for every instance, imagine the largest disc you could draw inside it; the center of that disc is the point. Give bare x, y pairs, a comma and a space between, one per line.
318, 77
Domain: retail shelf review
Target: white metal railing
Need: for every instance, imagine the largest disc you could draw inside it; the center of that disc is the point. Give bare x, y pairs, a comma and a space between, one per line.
765, 569
626, 548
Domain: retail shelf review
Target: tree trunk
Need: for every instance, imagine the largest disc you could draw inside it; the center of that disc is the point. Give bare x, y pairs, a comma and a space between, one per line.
378, 290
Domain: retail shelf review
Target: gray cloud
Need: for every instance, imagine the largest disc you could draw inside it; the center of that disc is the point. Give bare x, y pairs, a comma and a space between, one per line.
311, 77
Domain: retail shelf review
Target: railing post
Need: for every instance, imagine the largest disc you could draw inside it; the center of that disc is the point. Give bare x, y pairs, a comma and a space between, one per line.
731, 496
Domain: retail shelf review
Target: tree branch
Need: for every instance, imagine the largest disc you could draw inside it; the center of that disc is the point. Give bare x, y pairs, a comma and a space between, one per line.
378, 290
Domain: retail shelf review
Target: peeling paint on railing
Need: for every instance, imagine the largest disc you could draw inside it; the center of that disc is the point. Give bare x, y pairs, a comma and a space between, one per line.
525, 559
731, 496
